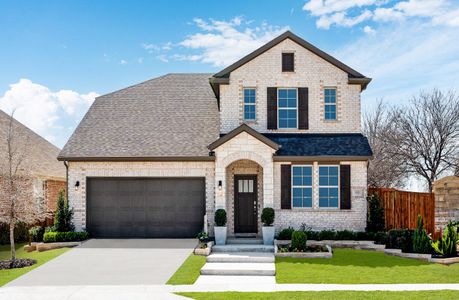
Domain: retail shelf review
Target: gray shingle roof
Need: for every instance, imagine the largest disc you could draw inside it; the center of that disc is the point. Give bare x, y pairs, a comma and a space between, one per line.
175, 115
40, 158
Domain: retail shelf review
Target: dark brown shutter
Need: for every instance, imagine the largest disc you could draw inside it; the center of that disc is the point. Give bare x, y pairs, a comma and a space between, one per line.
288, 62
286, 186
272, 107
345, 187
303, 108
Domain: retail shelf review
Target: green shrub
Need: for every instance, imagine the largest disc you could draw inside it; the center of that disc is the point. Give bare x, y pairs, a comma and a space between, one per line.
327, 235
64, 214
220, 217
345, 235
71, 236
446, 245
400, 239
285, 234
21, 233
267, 216
421, 240
312, 235
364, 236
380, 238
299, 240
36, 233
375, 214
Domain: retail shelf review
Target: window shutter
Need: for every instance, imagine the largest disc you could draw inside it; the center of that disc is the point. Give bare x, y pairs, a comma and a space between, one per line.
303, 111
272, 107
345, 186
286, 186
288, 64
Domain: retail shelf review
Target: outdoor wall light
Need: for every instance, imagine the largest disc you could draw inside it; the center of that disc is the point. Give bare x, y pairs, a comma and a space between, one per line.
220, 184
77, 184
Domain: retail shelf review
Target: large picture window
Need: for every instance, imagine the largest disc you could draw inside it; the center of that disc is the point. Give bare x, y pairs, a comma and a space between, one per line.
249, 104
328, 186
287, 108
301, 186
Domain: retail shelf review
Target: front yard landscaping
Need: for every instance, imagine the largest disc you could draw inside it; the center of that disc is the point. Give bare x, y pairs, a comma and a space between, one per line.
189, 271
350, 266
345, 295
41, 257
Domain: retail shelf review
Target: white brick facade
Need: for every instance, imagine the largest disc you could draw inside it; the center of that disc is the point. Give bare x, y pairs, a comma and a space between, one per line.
78, 171
311, 71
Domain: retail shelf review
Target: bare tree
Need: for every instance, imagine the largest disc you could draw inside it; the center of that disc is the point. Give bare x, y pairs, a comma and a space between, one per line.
17, 201
387, 168
427, 134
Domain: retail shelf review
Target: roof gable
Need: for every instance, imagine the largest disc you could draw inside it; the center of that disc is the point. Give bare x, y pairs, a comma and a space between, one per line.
354, 76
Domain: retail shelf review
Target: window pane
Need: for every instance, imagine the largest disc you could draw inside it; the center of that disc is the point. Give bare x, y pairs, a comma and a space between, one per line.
297, 180
333, 180
283, 114
323, 192
333, 202
297, 171
323, 202
239, 186
307, 192
291, 93
307, 180
297, 192
323, 180
297, 202
307, 202
333, 192
333, 171
250, 186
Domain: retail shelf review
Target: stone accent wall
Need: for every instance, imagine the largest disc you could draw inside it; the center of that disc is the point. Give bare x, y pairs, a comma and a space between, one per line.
311, 71
446, 192
51, 192
242, 167
319, 218
78, 171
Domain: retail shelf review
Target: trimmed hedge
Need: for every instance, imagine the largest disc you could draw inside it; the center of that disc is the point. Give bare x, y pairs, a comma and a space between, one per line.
71, 236
378, 237
285, 234
400, 239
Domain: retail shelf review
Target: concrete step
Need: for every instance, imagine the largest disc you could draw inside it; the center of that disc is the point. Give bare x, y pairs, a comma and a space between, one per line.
241, 257
239, 269
241, 248
238, 280
243, 241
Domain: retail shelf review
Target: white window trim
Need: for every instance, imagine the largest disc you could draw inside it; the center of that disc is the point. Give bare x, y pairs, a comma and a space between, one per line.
328, 186
287, 108
329, 104
302, 186
253, 104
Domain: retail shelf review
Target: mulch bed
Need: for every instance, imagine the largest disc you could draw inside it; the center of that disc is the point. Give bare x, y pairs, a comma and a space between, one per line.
17, 263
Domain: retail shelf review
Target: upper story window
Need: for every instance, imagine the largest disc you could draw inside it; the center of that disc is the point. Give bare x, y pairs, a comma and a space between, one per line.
287, 108
302, 186
330, 103
328, 186
288, 62
249, 104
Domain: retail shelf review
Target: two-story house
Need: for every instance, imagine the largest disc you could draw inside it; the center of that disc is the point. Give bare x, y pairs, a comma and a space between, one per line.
279, 128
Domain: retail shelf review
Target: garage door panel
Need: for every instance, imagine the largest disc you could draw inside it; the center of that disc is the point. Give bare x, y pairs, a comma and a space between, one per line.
145, 207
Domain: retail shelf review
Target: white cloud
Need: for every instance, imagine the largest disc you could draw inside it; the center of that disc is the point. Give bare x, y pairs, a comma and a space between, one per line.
367, 29
46, 112
140, 60
123, 62
223, 42
348, 13
162, 58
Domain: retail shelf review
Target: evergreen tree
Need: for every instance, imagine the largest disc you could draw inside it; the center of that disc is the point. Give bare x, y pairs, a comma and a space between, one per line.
64, 214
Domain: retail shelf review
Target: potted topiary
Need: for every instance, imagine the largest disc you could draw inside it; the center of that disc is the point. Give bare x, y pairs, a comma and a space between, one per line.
267, 218
220, 227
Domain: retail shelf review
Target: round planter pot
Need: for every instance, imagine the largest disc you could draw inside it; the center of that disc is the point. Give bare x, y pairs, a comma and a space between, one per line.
268, 235
220, 235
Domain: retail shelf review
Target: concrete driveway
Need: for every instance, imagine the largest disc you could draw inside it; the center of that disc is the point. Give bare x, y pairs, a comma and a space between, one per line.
112, 262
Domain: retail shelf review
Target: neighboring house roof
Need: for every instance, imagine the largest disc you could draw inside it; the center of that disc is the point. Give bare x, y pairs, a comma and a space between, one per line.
172, 117
326, 145
40, 155
243, 128
354, 76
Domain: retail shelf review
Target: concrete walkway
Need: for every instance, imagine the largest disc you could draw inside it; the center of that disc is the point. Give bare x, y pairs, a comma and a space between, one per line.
141, 292
112, 262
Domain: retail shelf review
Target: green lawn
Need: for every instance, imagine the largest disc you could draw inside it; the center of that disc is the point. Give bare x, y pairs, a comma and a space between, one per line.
41, 257
348, 295
189, 271
360, 266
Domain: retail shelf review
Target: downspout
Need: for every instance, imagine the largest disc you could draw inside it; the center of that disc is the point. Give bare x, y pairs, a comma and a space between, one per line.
67, 180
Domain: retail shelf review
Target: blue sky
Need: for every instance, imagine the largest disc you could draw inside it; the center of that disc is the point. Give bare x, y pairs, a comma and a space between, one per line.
56, 56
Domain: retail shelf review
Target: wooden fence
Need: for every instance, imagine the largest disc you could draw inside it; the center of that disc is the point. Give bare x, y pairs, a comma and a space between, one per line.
402, 208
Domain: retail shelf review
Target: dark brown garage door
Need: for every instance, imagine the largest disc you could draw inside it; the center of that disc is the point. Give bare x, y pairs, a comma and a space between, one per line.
145, 207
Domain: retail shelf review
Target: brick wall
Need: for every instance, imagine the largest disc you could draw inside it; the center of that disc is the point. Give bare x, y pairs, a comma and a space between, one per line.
310, 71
51, 190
320, 218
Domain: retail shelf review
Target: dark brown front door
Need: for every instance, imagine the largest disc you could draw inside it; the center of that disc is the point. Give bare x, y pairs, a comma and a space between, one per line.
245, 203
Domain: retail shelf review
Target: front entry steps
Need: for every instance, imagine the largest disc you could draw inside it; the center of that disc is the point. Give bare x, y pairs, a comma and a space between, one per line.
245, 260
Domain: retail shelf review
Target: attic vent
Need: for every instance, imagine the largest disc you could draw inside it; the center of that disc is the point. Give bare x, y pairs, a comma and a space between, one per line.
288, 62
